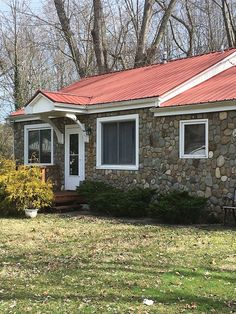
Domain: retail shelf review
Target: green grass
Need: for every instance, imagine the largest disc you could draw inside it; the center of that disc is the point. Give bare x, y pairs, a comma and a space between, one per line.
70, 265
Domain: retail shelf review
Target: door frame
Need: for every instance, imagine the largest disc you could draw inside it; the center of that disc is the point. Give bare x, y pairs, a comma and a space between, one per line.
81, 175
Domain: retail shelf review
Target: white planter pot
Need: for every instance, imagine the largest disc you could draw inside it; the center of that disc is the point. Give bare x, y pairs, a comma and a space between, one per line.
31, 213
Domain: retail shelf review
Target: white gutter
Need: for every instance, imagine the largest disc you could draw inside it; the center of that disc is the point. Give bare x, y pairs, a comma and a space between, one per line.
129, 104
226, 105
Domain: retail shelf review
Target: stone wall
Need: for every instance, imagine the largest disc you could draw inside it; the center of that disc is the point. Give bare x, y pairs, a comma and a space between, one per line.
160, 166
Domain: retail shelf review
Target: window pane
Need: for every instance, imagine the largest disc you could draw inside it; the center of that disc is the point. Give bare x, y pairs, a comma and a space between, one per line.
109, 144
74, 144
194, 139
45, 146
74, 165
127, 143
33, 149
74, 154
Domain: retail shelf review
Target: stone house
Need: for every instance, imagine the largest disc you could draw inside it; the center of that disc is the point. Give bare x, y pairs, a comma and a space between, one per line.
165, 126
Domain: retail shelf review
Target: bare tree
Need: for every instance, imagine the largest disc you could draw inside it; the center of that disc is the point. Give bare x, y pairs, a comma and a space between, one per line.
229, 23
99, 37
145, 51
14, 52
141, 53
161, 31
69, 37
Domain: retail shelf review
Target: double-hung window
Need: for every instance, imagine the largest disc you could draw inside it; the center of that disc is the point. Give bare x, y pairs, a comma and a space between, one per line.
38, 144
194, 138
117, 142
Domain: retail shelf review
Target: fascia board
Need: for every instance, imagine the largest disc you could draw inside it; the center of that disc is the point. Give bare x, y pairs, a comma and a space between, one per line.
226, 105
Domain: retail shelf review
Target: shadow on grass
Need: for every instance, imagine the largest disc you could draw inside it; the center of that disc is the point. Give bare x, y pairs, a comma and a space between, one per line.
44, 261
125, 295
119, 282
17, 217
93, 216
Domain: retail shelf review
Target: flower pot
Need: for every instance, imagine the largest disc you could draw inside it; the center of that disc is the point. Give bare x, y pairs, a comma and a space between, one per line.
31, 213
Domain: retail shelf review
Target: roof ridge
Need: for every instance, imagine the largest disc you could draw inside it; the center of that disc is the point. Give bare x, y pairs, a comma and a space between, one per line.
149, 65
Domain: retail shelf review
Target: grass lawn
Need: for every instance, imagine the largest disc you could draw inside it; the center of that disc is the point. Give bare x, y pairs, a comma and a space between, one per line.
69, 265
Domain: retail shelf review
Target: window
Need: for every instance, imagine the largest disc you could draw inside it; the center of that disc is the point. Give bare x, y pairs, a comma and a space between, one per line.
194, 139
117, 142
38, 144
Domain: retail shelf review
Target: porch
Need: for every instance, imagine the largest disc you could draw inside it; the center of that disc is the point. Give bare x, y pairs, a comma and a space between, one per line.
67, 200
63, 200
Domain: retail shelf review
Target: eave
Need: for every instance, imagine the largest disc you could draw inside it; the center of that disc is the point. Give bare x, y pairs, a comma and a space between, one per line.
207, 107
56, 110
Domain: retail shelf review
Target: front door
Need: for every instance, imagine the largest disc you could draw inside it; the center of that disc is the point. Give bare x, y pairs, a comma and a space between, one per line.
74, 157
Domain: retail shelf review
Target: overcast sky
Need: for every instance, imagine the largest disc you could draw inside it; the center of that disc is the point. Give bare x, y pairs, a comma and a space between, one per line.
34, 4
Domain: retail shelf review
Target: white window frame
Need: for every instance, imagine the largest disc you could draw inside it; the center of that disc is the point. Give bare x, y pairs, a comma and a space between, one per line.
131, 117
181, 141
36, 127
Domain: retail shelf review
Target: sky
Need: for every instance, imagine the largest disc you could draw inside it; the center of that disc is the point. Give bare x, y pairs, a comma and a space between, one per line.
34, 4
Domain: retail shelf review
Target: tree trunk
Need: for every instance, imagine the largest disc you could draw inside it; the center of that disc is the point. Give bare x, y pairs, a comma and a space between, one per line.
228, 20
140, 56
69, 36
161, 32
99, 40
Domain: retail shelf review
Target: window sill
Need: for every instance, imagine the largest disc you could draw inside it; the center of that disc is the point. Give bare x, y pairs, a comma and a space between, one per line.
38, 165
118, 167
193, 157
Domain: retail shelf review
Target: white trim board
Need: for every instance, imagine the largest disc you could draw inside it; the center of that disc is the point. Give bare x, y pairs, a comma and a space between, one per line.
182, 125
194, 109
31, 127
71, 181
60, 109
131, 117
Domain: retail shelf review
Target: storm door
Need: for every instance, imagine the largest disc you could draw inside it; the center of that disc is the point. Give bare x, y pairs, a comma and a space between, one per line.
74, 157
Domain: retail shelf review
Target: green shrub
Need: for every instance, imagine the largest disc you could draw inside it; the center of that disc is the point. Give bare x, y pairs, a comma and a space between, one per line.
88, 189
178, 208
108, 202
137, 201
115, 202
23, 188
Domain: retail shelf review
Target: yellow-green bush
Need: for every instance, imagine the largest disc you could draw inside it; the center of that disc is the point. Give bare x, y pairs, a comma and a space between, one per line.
6, 165
22, 188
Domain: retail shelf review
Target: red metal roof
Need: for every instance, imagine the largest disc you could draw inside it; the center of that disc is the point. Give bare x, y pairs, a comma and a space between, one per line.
145, 82
67, 98
218, 88
18, 112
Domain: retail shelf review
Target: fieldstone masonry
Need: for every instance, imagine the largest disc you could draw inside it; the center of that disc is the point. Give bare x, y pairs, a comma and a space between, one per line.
159, 164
